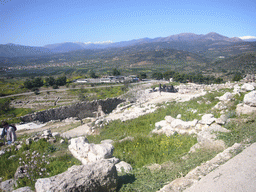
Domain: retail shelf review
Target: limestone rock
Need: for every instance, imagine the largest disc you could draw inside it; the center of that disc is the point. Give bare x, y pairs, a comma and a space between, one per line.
107, 141
100, 151
86, 153
47, 133
7, 185
154, 167
177, 123
196, 174
178, 116
250, 99
169, 119
217, 128
205, 137
220, 106
161, 124
245, 109
23, 189
55, 134
247, 87
226, 97
79, 147
20, 173
178, 185
28, 141
207, 119
2, 152
222, 120
94, 177
129, 138
123, 166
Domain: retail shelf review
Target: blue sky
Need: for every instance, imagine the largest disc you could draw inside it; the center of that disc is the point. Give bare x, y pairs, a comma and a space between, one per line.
41, 22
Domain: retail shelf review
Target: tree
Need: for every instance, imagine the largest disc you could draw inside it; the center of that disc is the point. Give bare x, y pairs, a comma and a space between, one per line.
142, 75
28, 84
38, 82
116, 72
168, 74
60, 81
4, 105
49, 81
157, 76
237, 77
93, 75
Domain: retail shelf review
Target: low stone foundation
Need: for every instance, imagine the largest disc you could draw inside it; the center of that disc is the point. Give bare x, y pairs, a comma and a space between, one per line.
80, 110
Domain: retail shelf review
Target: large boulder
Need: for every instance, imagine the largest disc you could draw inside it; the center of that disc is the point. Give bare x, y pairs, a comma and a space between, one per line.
226, 97
171, 125
245, 109
7, 185
247, 87
222, 120
100, 151
95, 177
123, 166
207, 119
250, 99
87, 153
178, 123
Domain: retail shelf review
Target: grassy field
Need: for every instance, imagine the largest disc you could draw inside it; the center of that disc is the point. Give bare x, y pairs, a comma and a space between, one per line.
156, 159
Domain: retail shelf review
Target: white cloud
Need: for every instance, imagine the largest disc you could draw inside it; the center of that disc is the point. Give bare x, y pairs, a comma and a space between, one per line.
247, 37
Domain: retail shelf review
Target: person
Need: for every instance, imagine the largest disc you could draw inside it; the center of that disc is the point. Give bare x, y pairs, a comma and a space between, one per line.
160, 88
9, 131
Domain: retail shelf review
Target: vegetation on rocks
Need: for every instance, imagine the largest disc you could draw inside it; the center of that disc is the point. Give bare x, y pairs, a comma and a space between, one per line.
156, 159
38, 159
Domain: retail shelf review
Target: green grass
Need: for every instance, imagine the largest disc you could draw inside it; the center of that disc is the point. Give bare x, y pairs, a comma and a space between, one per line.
242, 130
142, 179
11, 86
142, 125
99, 93
146, 149
156, 149
7, 112
27, 155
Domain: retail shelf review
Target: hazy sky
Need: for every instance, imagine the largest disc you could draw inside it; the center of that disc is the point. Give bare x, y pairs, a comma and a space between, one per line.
41, 22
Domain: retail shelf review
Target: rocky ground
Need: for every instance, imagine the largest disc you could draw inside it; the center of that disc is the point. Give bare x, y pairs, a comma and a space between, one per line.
147, 101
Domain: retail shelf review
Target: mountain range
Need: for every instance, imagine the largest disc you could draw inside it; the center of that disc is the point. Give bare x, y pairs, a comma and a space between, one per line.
186, 52
12, 50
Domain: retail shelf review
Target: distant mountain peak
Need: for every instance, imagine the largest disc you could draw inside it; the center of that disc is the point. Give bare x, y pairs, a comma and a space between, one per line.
248, 38
97, 42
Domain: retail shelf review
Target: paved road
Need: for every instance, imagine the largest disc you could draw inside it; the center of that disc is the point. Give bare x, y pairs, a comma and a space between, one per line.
236, 175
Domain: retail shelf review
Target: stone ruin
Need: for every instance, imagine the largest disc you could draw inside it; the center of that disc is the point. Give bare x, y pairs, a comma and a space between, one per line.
80, 110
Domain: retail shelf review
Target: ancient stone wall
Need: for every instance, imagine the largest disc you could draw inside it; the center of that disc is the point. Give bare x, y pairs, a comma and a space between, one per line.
80, 110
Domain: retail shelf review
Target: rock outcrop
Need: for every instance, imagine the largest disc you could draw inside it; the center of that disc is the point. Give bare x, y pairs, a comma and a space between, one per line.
249, 104
95, 177
92, 153
88, 153
250, 99
204, 129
